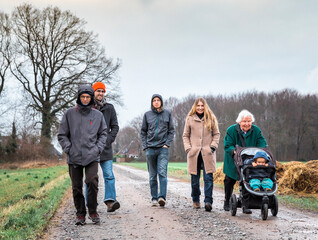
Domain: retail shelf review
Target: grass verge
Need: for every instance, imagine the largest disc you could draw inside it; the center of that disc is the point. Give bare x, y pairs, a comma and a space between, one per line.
301, 203
27, 214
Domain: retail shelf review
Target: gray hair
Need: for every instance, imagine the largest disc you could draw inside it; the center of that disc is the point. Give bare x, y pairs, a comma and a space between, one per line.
243, 114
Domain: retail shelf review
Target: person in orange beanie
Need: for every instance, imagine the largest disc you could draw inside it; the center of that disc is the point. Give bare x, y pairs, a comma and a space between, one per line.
106, 157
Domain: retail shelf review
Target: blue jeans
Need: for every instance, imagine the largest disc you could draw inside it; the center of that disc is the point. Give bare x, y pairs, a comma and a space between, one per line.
109, 181
157, 163
265, 183
195, 183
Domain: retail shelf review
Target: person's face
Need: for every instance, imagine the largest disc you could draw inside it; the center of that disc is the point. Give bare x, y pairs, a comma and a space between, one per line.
260, 161
85, 98
200, 108
156, 102
246, 123
99, 94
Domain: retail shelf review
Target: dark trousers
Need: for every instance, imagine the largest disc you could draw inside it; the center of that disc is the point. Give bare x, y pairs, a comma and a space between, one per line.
228, 189
195, 183
91, 180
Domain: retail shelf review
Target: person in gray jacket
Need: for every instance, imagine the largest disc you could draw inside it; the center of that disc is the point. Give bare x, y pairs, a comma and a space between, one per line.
82, 135
157, 133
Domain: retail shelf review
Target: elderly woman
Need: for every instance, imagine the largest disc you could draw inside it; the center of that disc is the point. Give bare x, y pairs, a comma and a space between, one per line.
201, 138
244, 134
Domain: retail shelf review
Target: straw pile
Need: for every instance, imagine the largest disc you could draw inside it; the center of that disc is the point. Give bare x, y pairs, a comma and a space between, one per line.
299, 178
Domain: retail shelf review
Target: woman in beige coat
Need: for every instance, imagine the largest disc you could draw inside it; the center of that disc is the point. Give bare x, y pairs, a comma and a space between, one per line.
201, 138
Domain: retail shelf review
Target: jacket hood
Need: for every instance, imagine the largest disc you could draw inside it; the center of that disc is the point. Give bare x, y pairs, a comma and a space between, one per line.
85, 89
261, 155
158, 96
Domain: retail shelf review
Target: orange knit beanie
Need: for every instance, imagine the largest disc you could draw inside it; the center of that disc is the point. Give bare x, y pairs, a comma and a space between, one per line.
99, 85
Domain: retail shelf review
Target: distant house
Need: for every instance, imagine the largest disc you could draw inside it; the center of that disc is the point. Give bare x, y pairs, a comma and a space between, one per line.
129, 153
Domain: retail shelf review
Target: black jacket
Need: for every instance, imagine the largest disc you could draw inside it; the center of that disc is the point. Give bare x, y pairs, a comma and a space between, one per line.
157, 127
110, 117
258, 172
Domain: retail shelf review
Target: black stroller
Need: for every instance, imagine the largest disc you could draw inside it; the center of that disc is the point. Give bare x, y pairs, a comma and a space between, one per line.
257, 200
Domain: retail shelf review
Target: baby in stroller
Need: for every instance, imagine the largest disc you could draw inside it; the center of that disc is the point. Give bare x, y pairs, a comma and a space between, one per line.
259, 178
256, 169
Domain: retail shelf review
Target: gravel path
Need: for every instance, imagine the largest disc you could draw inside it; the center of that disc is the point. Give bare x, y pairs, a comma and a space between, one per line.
136, 219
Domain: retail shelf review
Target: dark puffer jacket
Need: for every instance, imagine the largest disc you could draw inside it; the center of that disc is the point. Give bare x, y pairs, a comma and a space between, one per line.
157, 128
110, 117
82, 132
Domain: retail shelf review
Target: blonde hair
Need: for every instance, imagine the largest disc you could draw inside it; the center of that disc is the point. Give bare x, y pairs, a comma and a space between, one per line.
209, 117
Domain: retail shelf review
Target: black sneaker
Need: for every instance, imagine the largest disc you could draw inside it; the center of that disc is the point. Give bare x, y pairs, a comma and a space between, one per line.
94, 217
80, 220
226, 206
247, 210
208, 207
162, 202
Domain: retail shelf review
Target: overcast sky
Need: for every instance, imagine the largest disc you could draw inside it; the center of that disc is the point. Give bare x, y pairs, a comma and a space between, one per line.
182, 47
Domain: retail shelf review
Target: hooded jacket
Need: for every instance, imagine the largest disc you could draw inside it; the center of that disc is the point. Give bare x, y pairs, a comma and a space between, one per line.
110, 117
82, 132
157, 128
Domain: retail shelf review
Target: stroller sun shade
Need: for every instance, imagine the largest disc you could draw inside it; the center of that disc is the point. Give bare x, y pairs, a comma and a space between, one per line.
252, 151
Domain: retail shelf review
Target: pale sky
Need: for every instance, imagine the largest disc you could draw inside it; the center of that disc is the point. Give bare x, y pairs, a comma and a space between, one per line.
181, 47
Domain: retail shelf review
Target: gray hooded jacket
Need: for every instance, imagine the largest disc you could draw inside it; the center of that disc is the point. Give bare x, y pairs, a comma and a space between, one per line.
83, 132
157, 127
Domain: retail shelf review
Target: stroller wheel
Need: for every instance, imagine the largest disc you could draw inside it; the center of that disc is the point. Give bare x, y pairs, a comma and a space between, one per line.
264, 211
233, 205
274, 209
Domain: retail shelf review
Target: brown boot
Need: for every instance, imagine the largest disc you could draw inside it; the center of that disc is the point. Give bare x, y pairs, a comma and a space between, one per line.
196, 205
112, 206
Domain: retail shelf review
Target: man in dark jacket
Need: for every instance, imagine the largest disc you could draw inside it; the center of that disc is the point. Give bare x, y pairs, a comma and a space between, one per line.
157, 133
106, 157
82, 135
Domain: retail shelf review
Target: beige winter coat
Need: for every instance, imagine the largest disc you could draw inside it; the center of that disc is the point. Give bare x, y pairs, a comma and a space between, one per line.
196, 138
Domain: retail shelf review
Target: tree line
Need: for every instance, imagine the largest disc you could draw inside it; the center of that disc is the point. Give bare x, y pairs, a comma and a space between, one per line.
48, 53
288, 120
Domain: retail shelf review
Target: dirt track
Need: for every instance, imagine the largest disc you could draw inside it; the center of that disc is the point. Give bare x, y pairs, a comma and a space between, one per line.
136, 219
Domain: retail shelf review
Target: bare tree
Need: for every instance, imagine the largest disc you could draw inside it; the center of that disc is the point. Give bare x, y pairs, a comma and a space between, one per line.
54, 54
5, 40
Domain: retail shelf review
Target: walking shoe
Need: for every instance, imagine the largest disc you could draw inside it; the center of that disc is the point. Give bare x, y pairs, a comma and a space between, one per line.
162, 202
257, 190
154, 203
247, 210
80, 220
226, 206
112, 206
94, 217
268, 190
196, 205
208, 207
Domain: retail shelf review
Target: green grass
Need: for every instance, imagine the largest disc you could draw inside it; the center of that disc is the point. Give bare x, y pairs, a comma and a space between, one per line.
28, 199
302, 203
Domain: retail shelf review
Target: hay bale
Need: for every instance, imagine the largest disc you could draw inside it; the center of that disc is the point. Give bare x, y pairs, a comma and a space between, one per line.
219, 176
280, 169
299, 178
312, 164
